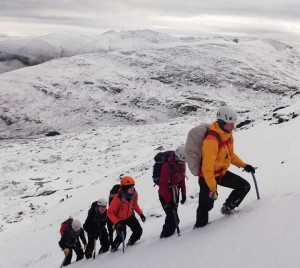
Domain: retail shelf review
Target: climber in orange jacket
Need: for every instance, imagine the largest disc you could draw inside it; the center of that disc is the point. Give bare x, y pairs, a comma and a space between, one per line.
217, 155
121, 213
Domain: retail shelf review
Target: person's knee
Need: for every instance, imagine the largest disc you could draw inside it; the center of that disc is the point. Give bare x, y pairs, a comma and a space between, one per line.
247, 187
139, 232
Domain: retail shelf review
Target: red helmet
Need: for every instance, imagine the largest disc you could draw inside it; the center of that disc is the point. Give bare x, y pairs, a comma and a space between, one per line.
127, 180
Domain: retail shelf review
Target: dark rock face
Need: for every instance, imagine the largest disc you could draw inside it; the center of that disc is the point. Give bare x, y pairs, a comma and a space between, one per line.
244, 123
52, 133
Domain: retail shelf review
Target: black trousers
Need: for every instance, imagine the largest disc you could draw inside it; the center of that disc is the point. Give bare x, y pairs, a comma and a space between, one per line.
240, 189
134, 226
79, 252
104, 243
170, 226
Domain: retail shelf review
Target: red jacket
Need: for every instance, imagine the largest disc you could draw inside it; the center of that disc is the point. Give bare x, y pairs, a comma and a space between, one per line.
121, 209
172, 174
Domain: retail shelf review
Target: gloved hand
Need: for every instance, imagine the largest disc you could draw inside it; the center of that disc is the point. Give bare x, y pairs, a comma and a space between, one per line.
66, 251
183, 198
118, 225
249, 168
213, 195
143, 218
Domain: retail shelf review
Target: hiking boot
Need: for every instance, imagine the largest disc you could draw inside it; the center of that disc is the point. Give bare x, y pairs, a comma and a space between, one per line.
101, 250
165, 235
114, 248
197, 226
227, 210
129, 243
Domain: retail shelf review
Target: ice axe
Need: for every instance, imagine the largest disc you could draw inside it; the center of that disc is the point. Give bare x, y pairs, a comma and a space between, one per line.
256, 187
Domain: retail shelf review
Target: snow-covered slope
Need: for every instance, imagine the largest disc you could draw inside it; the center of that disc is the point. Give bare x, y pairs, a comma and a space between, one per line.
45, 180
153, 82
118, 107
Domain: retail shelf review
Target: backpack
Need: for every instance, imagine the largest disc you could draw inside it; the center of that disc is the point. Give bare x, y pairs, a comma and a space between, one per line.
64, 225
114, 190
193, 146
93, 207
159, 160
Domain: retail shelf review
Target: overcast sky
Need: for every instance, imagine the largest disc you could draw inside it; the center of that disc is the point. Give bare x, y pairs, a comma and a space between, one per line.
276, 19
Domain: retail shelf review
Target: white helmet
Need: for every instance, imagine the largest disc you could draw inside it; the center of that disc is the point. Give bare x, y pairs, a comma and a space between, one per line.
227, 114
102, 202
76, 225
180, 153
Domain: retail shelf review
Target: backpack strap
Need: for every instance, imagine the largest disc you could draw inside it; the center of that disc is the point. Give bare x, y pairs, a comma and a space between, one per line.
171, 168
220, 145
173, 188
217, 136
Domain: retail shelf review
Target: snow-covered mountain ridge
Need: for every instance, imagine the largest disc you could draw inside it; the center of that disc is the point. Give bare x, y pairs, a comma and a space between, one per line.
18, 52
147, 83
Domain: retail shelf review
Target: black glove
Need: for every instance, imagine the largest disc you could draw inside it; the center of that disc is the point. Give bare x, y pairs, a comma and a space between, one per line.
118, 226
183, 198
249, 168
143, 218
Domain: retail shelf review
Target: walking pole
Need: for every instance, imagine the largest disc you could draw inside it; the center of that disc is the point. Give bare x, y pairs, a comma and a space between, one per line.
255, 183
123, 240
176, 219
64, 261
175, 214
94, 255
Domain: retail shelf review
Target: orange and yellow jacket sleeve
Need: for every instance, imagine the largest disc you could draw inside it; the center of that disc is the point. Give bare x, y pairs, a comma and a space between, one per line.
210, 150
113, 208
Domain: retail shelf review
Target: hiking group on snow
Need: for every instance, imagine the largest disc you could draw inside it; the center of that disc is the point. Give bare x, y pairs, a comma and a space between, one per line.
209, 151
